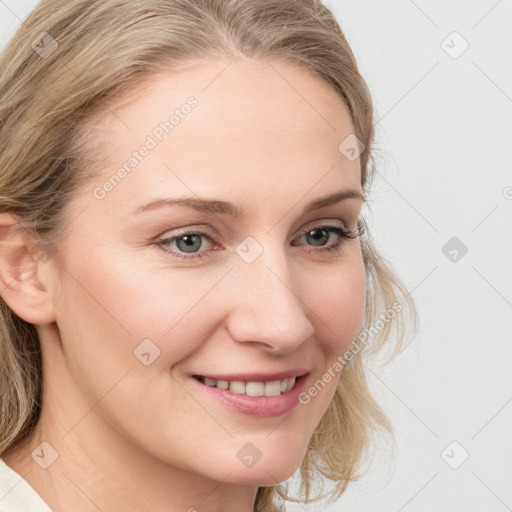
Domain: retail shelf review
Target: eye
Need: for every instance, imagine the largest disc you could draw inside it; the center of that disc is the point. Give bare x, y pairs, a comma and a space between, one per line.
320, 236
188, 244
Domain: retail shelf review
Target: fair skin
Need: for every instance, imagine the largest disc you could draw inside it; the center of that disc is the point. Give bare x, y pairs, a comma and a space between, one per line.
149, 438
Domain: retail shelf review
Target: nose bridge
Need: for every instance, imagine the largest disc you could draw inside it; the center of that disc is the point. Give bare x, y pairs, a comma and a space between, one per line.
270, 306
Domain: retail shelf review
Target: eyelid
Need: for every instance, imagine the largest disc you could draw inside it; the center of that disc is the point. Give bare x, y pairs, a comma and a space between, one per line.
205, 229
188, 230
323, 222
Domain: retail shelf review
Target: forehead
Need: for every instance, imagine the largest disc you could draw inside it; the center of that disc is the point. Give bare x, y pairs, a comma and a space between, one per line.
254, 125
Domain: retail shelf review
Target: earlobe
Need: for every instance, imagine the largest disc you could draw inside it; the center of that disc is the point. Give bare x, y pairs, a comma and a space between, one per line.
21, 269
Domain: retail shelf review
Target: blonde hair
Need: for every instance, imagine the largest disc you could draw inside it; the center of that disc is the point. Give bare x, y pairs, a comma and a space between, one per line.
97, 51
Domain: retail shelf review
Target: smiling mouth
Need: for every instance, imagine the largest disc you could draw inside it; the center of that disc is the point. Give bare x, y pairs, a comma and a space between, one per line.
251, 388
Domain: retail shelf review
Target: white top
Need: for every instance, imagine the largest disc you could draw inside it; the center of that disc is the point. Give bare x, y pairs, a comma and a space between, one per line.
16, 495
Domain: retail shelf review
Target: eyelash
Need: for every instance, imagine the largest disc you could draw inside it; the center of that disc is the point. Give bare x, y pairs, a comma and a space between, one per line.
343, 232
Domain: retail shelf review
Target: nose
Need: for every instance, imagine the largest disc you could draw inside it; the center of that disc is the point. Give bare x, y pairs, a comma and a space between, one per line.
269, 309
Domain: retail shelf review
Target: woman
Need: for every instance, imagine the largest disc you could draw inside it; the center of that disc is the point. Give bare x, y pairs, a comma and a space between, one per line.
189, 293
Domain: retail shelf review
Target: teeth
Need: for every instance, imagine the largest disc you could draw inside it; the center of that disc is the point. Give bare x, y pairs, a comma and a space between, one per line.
274, 388
255, 388
237, 387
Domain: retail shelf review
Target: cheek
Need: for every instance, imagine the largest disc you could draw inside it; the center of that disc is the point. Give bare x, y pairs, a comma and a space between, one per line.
338, 304
338, 307
106, 315
127, 301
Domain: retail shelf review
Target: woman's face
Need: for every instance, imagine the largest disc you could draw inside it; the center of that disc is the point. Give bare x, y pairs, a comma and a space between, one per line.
143, 307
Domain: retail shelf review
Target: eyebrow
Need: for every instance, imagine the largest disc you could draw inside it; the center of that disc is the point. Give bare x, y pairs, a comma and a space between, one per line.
217, 206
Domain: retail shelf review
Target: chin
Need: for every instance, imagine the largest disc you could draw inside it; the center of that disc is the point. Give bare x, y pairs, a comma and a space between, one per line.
264, 475
271, 470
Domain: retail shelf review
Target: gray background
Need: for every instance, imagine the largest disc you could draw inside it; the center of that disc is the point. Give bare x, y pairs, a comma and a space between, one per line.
444, 135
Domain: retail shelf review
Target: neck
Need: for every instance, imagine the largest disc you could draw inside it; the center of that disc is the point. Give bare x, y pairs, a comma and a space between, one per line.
88, 476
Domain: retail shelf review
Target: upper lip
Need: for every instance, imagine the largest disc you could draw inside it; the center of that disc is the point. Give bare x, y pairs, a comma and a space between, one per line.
257, 376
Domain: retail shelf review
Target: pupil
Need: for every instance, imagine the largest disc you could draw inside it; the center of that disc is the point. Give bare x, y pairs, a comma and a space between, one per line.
315, 237
190, 243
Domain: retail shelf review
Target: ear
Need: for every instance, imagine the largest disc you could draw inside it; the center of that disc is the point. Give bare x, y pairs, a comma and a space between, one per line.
24, 272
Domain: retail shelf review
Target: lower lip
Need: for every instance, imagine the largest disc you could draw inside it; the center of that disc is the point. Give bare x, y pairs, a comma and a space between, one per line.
257, 406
